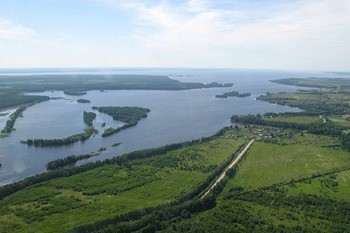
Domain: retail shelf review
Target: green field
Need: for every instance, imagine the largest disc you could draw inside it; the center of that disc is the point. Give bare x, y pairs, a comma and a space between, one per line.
312, 205
335, 186
298, 119
111, 190
301, 156
315, 82
338, 120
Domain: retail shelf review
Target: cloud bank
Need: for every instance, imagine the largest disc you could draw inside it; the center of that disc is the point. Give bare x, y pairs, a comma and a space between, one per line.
304, 35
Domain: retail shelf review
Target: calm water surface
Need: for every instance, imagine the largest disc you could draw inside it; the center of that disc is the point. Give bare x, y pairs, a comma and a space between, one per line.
175, 116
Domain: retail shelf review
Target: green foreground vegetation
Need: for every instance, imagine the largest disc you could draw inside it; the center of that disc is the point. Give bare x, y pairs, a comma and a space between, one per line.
282, 189
115, 189
294, 178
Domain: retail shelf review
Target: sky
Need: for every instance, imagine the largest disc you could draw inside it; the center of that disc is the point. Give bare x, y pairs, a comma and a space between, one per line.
257, 34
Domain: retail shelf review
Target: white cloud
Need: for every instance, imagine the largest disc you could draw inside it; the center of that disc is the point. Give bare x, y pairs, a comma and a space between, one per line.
300, 34
198, 5
296, 30
11, 30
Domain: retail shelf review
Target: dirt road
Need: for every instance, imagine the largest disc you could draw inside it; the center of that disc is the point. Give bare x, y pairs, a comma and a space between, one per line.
323, 119
234, 162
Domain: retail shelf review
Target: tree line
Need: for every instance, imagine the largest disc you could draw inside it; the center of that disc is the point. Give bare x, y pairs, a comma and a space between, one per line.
12, 119
69, 160
88, 132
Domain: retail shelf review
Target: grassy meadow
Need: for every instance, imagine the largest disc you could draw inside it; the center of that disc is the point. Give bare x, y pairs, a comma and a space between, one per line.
313, 205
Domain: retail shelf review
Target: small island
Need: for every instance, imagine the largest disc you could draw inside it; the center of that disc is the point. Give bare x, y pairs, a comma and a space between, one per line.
233, 94
216, 84
88, 132
68, 161
89, 117
129, 115
102, 149
74, 92
116, 144
9, 127
83, 101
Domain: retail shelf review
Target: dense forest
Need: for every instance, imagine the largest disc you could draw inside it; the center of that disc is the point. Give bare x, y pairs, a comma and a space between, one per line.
83, 83
14, 97
77, 85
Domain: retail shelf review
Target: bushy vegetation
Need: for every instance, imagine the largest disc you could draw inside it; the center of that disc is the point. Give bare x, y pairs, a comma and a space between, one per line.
270, 210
